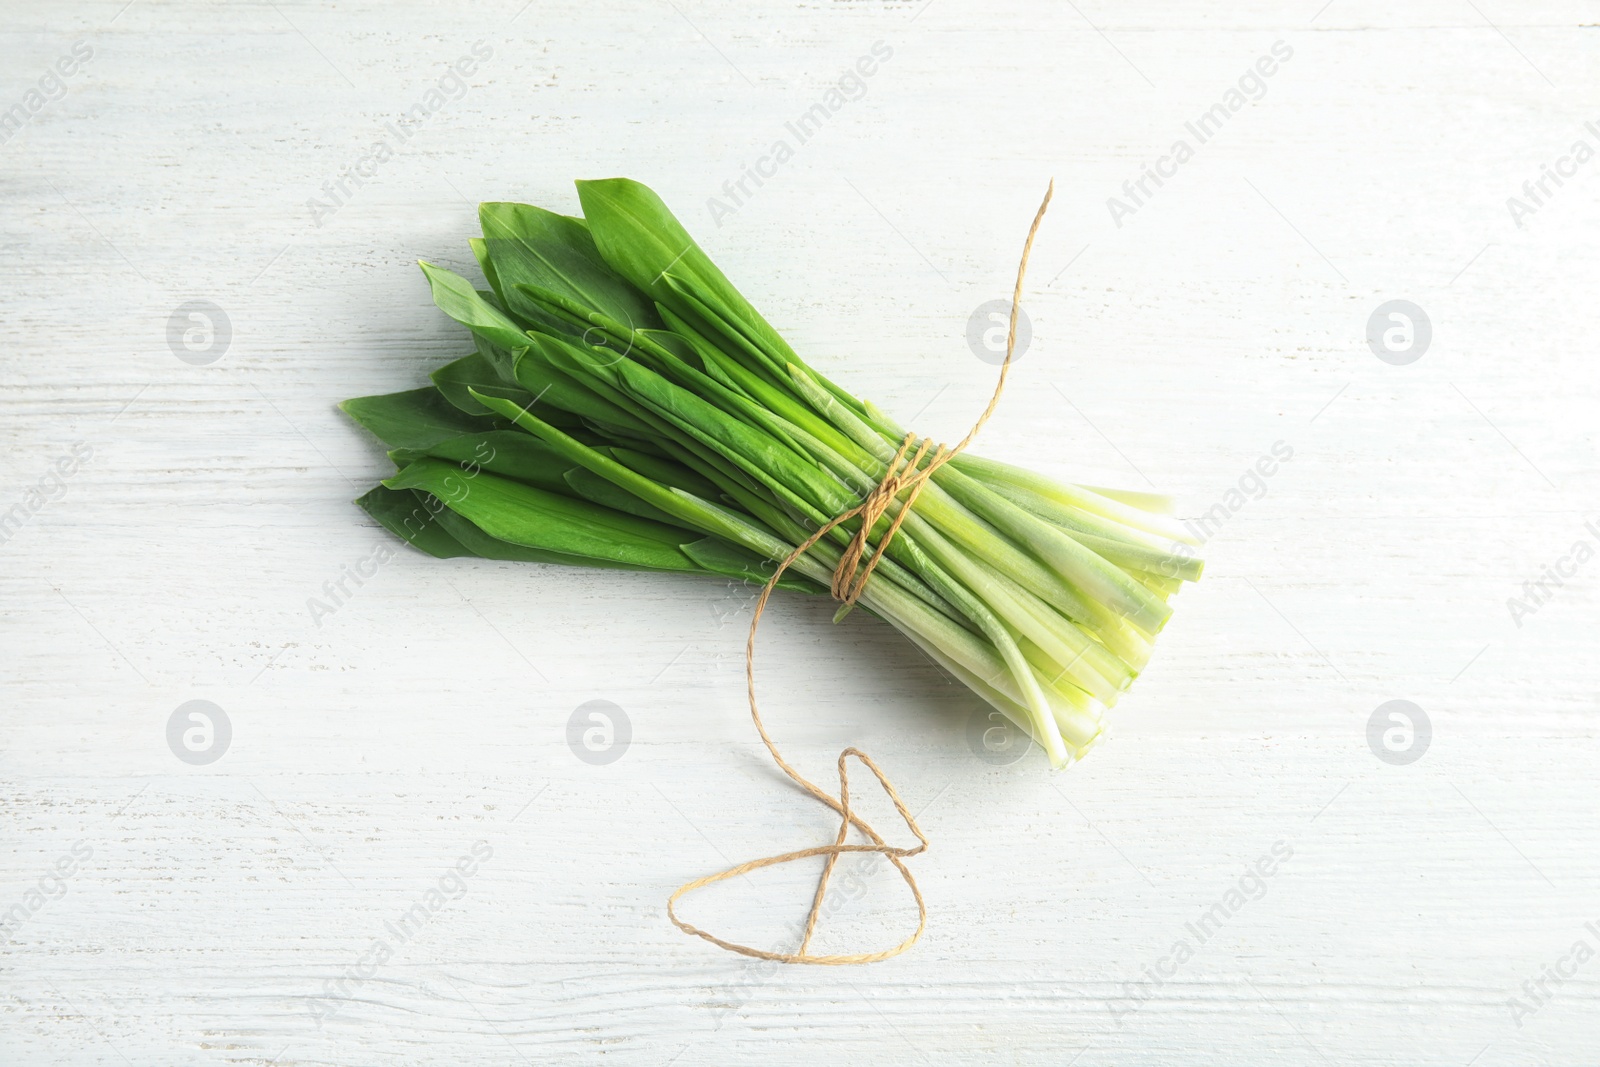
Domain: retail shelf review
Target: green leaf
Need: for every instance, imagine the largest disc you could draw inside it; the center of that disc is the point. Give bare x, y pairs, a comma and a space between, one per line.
730, 561
508, 453
480, 252
774, 462
412, 517
543, 370
537, 247
589, 485
416, 418
482, 545
642, 240
456, 297
503, 360
510, 511
692, 510
455, 381
665, 471
422, 520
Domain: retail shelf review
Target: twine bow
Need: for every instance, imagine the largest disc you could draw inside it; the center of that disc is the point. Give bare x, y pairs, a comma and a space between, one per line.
904, 475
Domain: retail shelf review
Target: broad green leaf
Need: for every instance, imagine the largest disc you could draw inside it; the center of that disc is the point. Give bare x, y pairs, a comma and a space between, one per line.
510, 511
730, 561
590, 486
503, 360
480, 252
482, 545
456, 297
412, 517
422, 520
538, 247
508, 453
454, 378
415, 418
544, 370
759, 453
642, 240
665, 471
694, 511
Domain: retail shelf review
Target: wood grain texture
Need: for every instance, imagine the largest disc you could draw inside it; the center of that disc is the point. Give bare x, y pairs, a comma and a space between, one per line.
229, 913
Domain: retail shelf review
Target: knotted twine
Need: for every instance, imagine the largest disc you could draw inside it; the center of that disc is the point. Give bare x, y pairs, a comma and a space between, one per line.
905, 474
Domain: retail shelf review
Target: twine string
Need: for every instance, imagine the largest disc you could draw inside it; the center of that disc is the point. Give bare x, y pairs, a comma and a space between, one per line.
907, 474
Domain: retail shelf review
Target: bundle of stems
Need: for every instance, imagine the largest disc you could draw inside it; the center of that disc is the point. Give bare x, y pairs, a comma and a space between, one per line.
624, 406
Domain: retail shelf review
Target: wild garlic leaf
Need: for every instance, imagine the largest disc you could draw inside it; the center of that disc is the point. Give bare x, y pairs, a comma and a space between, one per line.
480, 252
670, 474
510, 511
508, 453
537, 247
455, 380
730, 561
547, 370
642, 240
415, 418
482, 545
590, 486
456, 297
412, 517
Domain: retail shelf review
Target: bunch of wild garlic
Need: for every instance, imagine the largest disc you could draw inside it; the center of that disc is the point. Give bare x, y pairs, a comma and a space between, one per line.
626, 407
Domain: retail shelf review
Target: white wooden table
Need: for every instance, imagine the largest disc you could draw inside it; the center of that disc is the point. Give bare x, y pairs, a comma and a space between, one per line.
254, 909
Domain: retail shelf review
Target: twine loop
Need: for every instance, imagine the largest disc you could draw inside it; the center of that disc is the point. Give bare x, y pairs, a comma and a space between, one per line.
905, 474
